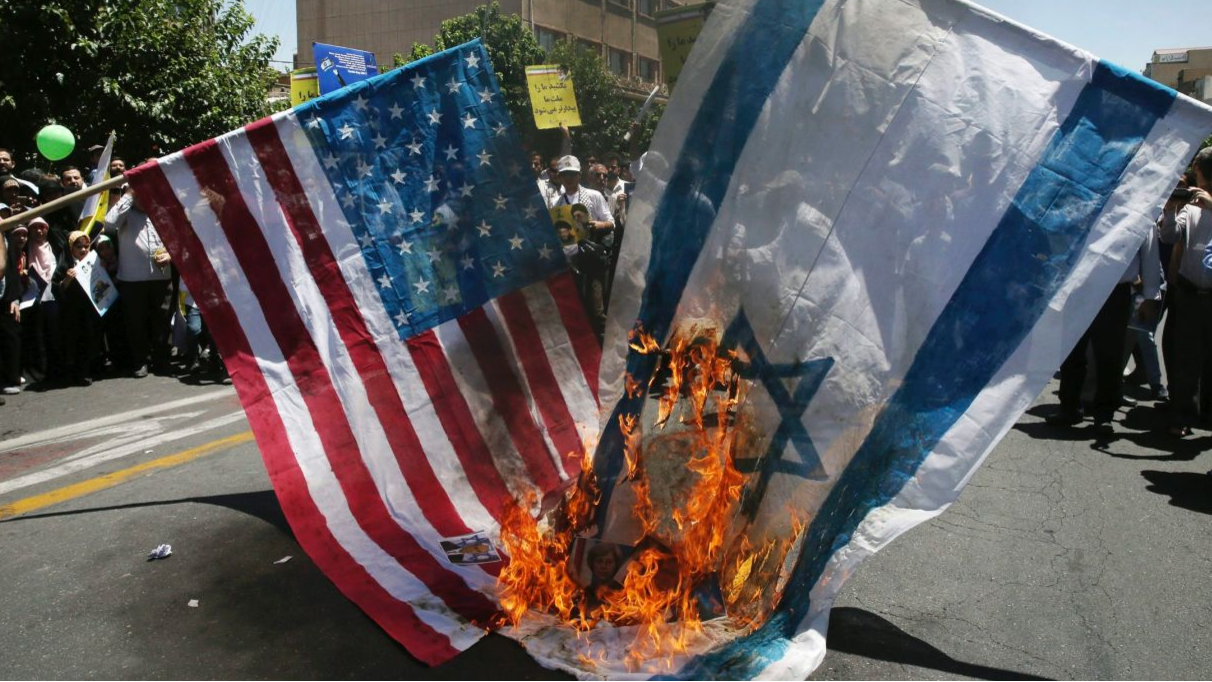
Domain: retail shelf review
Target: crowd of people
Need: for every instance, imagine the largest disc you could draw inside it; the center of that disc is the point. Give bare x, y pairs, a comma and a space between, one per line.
51, 332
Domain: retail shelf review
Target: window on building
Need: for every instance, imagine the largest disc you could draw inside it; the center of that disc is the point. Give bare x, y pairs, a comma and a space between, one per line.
618, 61
647, 69
546, 37
587, 46
621, 3
649, 7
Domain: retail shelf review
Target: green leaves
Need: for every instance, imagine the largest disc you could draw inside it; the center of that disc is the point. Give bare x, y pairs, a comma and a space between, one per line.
163, 73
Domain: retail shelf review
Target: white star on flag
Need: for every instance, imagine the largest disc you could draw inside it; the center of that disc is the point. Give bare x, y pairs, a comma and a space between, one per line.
498, 270
469, 121
347, 131
484, 157
313, 123
380, 141
531, 212
465, 190
500, 129
397, 111
435, 117
486, 95
451, 293
384, 206
515, 242
398, 176
500, 202
421, 285
468, 262
366, 241
418, 82
453, 86
402, 318
364, 169
434, 256
431, 184
405, 247
417, 215
484, 228
385, 282
472, 61
360, 103
347, 201
545, 252
452, 152
414, 149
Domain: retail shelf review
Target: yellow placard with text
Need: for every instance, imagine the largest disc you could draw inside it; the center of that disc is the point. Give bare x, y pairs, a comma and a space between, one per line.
304, 85
552, 97
677, 31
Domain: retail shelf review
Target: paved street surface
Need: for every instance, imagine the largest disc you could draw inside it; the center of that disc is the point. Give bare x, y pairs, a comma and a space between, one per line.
1065, 558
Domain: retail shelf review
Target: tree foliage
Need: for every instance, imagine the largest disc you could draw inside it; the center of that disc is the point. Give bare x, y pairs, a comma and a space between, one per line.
164, 74
605, 113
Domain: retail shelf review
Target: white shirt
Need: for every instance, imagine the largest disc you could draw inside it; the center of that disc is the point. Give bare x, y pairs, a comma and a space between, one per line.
1192, 227
1147, 264
599, 210
138, 243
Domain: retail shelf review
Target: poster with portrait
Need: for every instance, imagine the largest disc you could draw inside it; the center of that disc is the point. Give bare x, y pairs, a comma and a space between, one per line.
96, 282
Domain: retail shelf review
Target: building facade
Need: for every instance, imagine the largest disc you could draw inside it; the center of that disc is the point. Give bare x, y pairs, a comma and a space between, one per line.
1186, 69
623, 32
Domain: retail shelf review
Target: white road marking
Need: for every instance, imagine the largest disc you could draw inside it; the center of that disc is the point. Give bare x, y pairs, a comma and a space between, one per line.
106, 453
80, 430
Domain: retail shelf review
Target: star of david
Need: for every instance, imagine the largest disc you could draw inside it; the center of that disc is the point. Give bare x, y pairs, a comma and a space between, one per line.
791, 405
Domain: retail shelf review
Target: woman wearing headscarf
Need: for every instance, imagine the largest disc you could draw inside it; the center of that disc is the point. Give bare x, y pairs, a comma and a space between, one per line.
40, 321
76, 312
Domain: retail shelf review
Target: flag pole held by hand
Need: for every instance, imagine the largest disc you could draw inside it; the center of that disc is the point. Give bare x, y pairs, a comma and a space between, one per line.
51, 206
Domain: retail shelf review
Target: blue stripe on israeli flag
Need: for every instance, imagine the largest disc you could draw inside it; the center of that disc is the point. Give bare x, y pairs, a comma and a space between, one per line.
1035, 246
704, 171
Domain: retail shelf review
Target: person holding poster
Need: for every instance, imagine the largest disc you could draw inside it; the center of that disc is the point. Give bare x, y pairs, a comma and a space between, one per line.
552, 97
77, 311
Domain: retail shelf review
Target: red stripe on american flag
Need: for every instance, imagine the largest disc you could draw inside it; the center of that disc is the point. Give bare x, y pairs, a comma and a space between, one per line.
572, 312
458, 422
508, 399
543, 384
394, 616
432, 498
316, 386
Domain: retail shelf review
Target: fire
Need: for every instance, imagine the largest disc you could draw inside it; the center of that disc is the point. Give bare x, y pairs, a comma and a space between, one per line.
690, 547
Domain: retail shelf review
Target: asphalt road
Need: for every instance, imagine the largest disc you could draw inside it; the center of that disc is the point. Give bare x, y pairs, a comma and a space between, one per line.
1065, 558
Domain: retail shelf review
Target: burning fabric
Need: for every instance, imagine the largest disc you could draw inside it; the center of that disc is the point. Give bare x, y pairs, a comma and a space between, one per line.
850, 265
866, 234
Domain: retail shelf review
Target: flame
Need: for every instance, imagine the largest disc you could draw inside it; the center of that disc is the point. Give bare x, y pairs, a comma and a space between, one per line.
689, 533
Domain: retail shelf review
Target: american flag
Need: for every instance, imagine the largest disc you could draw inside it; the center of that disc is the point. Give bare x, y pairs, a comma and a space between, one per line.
385, 286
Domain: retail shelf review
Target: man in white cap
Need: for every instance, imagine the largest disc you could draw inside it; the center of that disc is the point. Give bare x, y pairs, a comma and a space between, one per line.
568, 172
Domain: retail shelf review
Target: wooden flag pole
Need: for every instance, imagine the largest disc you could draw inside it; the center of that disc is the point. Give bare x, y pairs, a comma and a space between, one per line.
49, 207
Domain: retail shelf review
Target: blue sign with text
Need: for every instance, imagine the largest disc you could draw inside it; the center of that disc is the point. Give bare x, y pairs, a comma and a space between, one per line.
340, 66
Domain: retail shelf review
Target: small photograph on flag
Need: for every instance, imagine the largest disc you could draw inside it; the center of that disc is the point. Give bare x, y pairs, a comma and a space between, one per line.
470, 549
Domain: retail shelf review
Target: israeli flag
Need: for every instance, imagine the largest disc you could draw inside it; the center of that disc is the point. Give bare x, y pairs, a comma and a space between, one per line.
905, 213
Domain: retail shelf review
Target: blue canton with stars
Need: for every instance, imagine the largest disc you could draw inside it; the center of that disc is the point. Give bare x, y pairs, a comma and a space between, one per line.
432, 179
791, 406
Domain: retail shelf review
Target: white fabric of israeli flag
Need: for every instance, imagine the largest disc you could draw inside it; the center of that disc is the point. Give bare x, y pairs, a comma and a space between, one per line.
918, 204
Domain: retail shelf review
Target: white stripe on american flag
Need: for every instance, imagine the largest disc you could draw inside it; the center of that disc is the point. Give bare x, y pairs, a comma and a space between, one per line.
399, 361
493, 310
558, 347
376, 450
304, 439
474, 388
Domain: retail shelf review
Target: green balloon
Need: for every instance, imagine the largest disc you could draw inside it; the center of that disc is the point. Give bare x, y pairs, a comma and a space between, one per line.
55, 142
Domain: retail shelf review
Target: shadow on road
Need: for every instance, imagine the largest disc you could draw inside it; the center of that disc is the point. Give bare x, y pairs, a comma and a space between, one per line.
862, 633
262, 504
1186, 489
